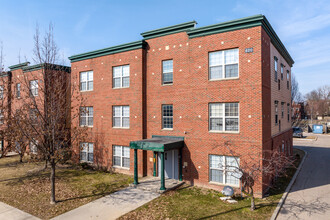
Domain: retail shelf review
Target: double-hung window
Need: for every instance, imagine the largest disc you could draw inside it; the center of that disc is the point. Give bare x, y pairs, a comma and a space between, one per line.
86, 152
167, 71
121, 76
276, 112
120, 116
86, 81
282, 71
34, 87
167, 116
275, 68
2, 117
224, 169
18, 90
223, 117
86, 116
121, 156
282, 109
288, 79
223, 64
33, 115
1, 92
288, 112
33, 146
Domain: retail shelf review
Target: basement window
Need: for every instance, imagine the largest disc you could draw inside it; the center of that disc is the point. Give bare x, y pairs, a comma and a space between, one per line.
224, 169
121, 156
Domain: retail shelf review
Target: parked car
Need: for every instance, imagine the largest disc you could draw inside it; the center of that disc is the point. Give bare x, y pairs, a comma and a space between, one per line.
297, 132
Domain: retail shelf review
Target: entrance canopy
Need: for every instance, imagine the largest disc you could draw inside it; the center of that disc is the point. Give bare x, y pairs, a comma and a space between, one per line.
159, 143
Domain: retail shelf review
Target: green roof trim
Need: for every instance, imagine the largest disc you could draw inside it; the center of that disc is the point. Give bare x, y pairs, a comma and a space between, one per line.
158, 143
243, 23
45, 65
110, 50
169, 30
18, 66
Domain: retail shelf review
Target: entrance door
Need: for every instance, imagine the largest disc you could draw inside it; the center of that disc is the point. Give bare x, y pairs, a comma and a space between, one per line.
171, 164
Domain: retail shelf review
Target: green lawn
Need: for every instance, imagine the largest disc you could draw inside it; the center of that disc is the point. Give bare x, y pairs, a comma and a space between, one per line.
198, 203
26, 186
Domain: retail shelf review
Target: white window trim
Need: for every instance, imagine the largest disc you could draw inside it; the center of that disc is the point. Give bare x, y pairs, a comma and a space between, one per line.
223, 169
18, 90
224, 118
121, 116
121, 77
87, 152
223, 66
121, 157
167, 83
87, 116
167, 117
87, 81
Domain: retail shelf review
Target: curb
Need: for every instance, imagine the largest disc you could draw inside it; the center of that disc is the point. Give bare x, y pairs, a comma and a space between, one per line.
288, 188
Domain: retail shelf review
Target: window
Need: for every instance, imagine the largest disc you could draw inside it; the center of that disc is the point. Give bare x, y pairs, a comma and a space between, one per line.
1, 92
282, 109
18, 90
223, 64
276, 112
2, 117
120, 116
33, 146
279, 84
288, 112
167, 116
275, 68
86, 152
224, 169
86, 81
223, 117
121, 156
120, 76
34, 87
167, 71
33, 115
282, 71
86, 116
288, 79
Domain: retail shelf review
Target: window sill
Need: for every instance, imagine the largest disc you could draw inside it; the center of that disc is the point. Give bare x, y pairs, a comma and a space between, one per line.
223, 184
120, 87
120, 128
88, 126
167, 129
224, 79
168, 84
86, 90
225, 132
118, 167
89, 162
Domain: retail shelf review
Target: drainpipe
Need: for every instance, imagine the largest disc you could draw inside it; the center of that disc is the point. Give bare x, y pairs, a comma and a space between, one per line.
155, 163
135, 167
162, 172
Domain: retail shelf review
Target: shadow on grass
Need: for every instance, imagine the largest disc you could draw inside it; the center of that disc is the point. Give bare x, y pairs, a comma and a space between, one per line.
240, 208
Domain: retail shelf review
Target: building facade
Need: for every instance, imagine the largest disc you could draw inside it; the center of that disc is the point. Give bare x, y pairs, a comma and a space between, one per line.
220, 89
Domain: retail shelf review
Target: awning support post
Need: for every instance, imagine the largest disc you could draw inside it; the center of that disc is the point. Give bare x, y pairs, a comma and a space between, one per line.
155, 163
162, 172
180, 164
135, 167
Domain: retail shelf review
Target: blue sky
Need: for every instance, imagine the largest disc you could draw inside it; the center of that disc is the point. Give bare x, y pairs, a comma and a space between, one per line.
85, 25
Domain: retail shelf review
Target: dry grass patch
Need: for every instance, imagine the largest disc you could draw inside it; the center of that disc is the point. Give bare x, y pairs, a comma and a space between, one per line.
26, 186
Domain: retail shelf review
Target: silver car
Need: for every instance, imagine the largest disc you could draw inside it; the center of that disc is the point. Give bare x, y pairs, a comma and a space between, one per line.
297, 132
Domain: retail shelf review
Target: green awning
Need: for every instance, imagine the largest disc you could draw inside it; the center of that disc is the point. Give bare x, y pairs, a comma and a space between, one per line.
158, 143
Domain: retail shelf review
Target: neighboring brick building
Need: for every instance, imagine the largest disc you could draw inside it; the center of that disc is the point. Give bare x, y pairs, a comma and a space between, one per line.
212, 87
298, 111
27, 85
5, 109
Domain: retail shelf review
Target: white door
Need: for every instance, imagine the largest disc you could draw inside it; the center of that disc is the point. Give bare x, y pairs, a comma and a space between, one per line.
171, 164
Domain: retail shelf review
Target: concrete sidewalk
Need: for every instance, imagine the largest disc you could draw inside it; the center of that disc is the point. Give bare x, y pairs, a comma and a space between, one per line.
111, 206
8, 212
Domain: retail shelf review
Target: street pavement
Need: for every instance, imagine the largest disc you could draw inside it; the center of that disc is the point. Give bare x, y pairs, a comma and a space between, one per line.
10, 213
309, 197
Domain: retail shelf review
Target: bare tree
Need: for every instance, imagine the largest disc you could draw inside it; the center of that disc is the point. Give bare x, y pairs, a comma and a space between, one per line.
295, 93
251, 167
42, 119
318, 101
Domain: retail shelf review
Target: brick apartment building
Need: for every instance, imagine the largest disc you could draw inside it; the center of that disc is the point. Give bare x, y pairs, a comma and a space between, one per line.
171, 104
25, 81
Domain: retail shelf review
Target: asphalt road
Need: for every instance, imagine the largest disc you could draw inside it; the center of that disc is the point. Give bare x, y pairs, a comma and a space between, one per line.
309, 197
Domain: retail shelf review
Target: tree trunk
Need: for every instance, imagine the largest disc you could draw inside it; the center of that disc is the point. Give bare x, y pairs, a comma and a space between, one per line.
21, 158
253, 206
46, 164
52, 182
